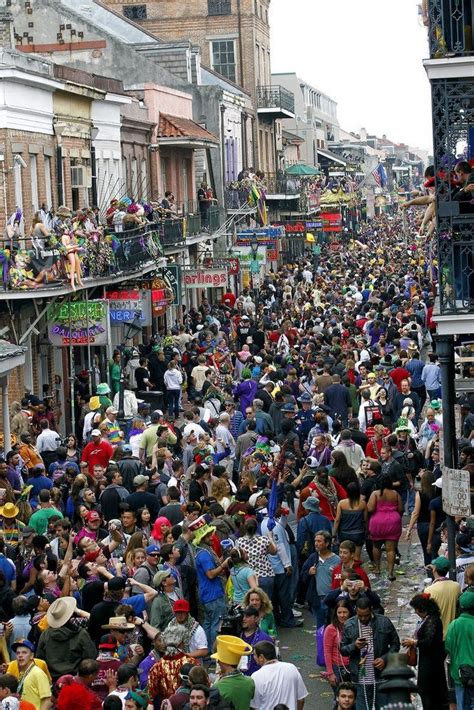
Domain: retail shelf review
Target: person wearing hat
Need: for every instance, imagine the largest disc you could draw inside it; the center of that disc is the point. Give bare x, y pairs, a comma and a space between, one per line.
164, 678
10, 527
119, 629
305, 417
64, 644
34, 685
459, 643
114, 434
93, 417
97, 451
195, 643
102, 391
251, 634
444, 591
108, 661
211, 578
233, 685
161, 612
309, 526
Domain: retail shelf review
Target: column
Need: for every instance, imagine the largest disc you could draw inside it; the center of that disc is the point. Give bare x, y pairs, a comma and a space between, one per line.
445, 352
6, 416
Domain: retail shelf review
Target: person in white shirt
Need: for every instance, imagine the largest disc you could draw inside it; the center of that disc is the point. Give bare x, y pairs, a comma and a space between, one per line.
225, 441
276, 682
173, 380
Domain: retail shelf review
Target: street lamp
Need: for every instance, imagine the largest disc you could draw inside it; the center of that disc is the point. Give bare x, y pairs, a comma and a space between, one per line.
254, 268
133, 328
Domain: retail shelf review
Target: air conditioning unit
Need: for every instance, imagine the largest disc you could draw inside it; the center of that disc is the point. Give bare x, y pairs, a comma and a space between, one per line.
81, 176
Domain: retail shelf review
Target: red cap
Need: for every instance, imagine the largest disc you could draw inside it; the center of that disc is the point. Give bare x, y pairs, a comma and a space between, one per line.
92, 515
181, 605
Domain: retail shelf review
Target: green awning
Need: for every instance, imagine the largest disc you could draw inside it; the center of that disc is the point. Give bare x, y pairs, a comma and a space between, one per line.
300, 169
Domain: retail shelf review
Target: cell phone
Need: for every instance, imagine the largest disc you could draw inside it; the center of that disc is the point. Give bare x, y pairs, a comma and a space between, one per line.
361, 640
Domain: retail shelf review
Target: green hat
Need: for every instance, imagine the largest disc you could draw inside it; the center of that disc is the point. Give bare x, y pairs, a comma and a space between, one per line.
103, 388
155, 349
435, 404
441, 565
402, 425
246, 374
466, 601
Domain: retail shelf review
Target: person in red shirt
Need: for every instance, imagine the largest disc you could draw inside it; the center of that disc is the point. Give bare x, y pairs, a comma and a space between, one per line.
77, 694
108, 661
398, 374
228, 300
328, 491
376, 434
97, 451
347, 550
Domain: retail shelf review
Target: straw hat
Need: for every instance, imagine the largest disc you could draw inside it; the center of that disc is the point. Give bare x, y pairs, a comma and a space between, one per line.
60, 612
230, 649
118, 623
9, 510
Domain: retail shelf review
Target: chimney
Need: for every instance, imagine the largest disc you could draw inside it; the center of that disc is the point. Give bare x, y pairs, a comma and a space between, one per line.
6, 28
363, 135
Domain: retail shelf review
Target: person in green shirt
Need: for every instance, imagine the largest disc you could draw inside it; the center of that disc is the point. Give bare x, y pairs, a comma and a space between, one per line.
114, 373
233, 685
40, 519
459, 643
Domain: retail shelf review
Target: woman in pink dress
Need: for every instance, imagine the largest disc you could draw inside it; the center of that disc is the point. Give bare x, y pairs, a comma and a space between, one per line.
385, 508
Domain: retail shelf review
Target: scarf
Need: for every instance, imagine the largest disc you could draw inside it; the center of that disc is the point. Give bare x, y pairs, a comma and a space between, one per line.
328, 490
190, 626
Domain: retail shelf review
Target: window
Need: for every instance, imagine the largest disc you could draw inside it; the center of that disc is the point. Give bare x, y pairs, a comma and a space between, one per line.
135, 186
223, 58
18, 185
34, 182
47, 182
135, 12
219, 7
144, 173
259, 77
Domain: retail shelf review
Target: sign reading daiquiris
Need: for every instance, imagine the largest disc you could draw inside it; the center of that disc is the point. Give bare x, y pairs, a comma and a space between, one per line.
78, 323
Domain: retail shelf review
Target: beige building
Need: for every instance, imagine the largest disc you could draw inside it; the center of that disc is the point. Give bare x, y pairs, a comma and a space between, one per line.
234, 39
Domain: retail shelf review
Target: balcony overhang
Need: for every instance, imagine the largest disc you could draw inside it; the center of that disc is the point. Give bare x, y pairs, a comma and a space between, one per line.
450, 68
178, 132
454, 323
185, 142
275, 112
282, 196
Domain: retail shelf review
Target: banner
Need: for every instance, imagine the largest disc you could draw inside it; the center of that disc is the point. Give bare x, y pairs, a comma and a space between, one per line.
172, 277
209, 278
295, 229
332, 221
245, 256
162, 296
78, 323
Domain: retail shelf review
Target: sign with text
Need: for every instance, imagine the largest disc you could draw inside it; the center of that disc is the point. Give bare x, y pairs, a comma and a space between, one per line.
295, 229
205, 278
332, 221
456, 493
244, 254
222, 262
124, 304
78, 323
172, 277
161, 296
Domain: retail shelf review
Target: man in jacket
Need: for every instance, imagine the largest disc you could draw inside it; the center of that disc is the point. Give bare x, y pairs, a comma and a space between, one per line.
367, 639
114, 494
459, 643
63, 645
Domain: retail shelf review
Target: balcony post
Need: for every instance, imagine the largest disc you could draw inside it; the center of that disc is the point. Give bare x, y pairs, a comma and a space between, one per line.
445, 352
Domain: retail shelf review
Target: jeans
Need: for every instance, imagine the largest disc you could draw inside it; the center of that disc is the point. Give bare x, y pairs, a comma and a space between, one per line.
266, 583
422, 530
365, 697
408, 495
213, 612
295, 574
173, 402
281, 600
464, 697
321, 614
434, 394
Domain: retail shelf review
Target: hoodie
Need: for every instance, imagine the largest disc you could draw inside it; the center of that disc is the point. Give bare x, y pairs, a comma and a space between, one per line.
64, 648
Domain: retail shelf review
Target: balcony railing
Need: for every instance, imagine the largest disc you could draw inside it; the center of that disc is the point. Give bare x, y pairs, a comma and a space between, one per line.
278, 184
219, 7
456, 268
275, 99
450, 27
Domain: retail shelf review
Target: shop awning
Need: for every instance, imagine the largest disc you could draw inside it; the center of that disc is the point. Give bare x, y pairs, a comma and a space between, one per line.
331, 157
183, 133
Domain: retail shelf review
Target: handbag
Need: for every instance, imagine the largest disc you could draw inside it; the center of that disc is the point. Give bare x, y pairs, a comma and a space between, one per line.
466, 675
412, 656
320, 646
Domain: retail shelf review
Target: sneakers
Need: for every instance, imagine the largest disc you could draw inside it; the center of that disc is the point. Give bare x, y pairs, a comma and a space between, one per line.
297, 614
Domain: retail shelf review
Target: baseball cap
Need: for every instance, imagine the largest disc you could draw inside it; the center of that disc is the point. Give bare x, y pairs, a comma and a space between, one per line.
107, 641
441, 565
92, 515
27, 531
181, 605
95, 432
116, 584
140, 480
111, 410
23, 642
151, 549
250, 611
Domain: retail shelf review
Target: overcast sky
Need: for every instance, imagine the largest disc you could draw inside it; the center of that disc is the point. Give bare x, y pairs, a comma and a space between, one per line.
366, 55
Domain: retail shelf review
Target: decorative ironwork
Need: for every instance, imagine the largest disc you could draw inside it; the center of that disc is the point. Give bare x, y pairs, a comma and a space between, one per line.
276, 97
453, 131
219, 7
135, 12
450, 27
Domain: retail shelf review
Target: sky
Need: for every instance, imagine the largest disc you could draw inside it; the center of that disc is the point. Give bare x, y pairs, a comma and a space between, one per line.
367, 55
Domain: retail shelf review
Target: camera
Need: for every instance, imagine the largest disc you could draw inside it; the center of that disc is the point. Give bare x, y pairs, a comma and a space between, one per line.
231, 623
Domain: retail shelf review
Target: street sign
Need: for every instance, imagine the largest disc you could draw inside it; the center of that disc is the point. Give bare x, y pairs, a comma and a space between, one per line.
456, 493
172, 277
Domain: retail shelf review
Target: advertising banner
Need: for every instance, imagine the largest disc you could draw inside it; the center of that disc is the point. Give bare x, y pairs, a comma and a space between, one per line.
205, 278
245, 256
124, 304
78, 323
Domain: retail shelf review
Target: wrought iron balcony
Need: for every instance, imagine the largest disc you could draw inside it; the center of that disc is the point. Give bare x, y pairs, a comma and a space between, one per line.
456, 268
277, 184
219, 7
450, 28
275, 102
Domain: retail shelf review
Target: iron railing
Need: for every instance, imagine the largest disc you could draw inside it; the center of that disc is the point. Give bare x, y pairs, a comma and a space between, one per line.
280, 184
219, 7
453, 118
276, 97
450, 28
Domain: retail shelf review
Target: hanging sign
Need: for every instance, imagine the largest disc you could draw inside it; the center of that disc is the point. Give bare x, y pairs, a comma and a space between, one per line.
78, 323
456, 492
172, 277
125, 303
205, 278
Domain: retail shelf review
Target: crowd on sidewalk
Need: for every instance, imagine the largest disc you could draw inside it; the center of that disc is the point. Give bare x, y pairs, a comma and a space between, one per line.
152, 565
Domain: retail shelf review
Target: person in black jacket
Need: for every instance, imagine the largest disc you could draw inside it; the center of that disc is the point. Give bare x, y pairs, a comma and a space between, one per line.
114, 494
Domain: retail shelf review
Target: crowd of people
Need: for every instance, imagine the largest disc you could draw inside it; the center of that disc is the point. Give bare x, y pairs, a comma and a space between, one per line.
154, 564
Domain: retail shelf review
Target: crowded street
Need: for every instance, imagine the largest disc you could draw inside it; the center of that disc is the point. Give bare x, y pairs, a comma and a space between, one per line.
236, 357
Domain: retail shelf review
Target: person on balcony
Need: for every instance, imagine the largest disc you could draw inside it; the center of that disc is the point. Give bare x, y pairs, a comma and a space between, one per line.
168, 205
204, 204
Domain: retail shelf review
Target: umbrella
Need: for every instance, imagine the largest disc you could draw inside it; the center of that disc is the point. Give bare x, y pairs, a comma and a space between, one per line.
300, 170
